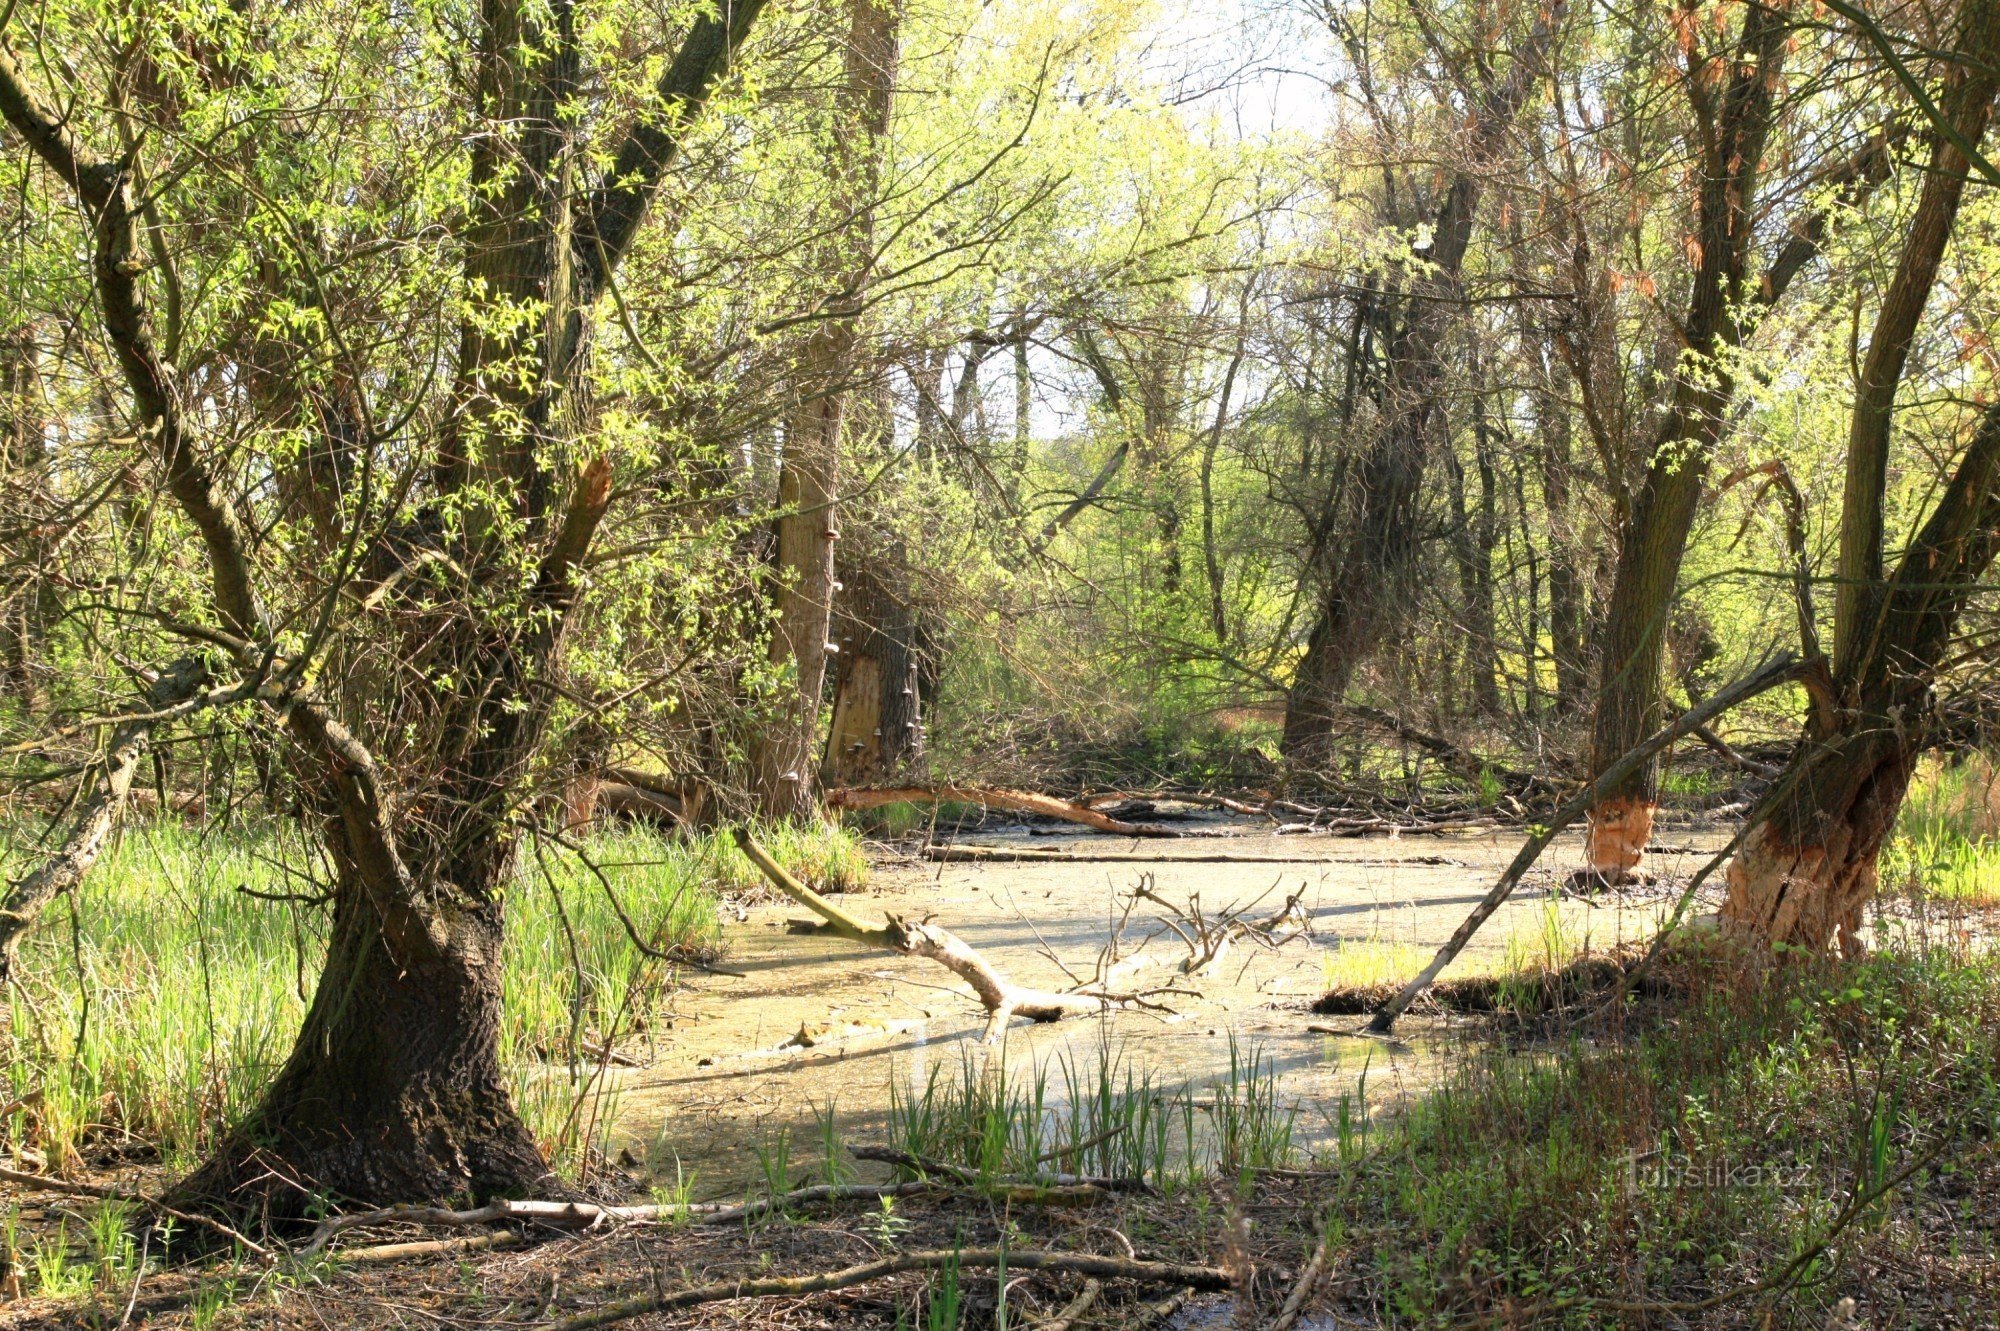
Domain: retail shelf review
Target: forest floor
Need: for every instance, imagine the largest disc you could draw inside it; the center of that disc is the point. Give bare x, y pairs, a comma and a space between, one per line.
1807, 1147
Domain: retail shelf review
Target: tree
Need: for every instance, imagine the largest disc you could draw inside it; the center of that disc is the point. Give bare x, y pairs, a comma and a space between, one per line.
782, 760
1738, 105
394, 1090
1356, 573
1808, 864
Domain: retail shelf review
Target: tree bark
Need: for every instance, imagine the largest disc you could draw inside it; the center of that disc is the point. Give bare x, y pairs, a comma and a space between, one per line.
394, 1091
1630, 699
1808, 867
782, 758
877, 731
1361, 575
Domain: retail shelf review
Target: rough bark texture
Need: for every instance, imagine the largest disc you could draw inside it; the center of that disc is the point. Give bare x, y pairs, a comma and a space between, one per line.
394, 1090
1359, 575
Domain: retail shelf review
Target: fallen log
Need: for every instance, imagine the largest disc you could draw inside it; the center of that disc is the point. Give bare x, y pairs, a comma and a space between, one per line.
970, 1259
889, 1155
1029, 855
1001, 997
1021, 801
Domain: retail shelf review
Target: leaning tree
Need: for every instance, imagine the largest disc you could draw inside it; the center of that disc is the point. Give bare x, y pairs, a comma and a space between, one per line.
345, 264
1808, 864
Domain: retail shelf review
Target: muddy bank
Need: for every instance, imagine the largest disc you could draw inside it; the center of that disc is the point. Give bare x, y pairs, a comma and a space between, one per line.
822, 1025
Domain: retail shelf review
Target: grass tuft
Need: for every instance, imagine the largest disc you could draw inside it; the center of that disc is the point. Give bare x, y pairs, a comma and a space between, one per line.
151, 1008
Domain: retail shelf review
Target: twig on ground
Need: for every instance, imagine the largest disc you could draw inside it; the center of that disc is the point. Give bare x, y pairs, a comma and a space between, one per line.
974, 1259
1085, 1300
153, 1204
1302, 1291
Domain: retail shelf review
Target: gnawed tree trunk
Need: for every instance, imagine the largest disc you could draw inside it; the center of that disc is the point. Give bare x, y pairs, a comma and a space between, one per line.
1722, 311
1808, 868
877, 731
1360, 576
783, 760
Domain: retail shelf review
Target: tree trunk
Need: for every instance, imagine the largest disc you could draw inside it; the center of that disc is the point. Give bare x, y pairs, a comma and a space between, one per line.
28, 603
782, 751
1362, 577
1630, 704
394, 1091
1566, 579
782, 758
877, 732
1804, 878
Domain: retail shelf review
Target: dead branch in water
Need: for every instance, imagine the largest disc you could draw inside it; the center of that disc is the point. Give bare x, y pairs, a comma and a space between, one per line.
1022, 801
971, 1259
1001, 997
1207, 937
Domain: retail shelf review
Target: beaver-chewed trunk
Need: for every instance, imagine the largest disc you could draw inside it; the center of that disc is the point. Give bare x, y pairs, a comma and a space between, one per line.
1804, 875
1619, 829
394, 1091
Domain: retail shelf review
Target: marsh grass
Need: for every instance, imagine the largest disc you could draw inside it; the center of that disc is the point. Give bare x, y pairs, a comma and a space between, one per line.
1703, 1150
1947, 839
152, 1008
1098, 1116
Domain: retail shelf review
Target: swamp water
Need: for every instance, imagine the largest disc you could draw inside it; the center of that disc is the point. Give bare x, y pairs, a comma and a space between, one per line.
751, 1077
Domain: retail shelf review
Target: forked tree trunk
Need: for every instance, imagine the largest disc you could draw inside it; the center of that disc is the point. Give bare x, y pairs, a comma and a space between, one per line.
394, 1091
1808, 869
1361, 577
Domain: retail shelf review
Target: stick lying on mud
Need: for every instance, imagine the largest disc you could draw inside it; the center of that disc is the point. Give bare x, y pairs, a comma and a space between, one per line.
1022, 801
589, 1215
970, 1259
1001, 997
1035, 855
1782, 670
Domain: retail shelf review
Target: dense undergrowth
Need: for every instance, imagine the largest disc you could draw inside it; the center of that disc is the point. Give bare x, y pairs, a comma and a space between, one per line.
149, 1012
1789, 1135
